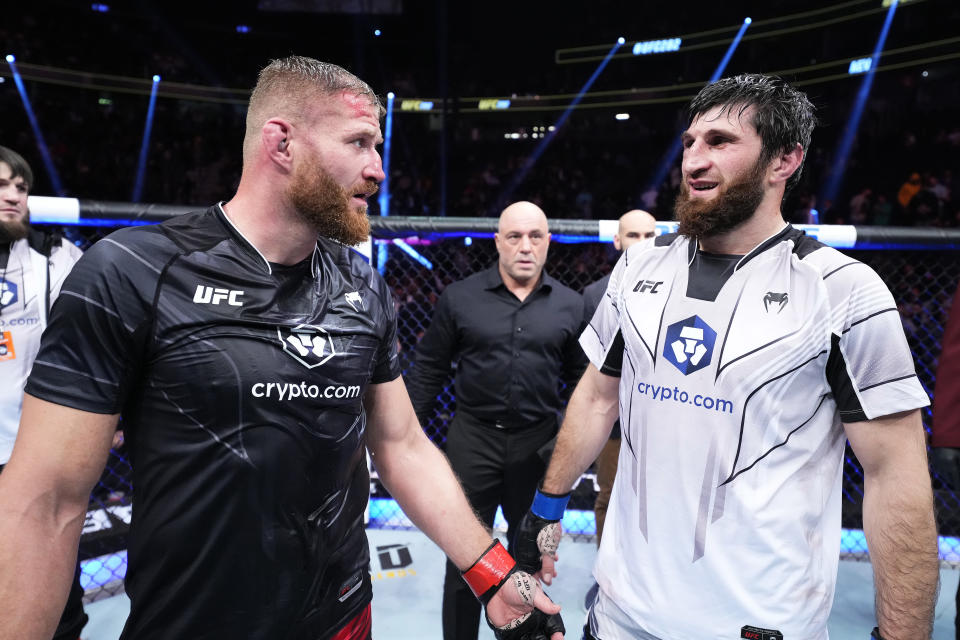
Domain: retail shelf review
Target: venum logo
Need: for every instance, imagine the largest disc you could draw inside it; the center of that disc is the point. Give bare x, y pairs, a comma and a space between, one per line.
775, 300
211, 295
8, 293
354, 300
689, 344
309, 345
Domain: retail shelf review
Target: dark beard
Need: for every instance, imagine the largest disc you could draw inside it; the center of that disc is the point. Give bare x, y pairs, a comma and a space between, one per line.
325, 205
12, 231
733, 206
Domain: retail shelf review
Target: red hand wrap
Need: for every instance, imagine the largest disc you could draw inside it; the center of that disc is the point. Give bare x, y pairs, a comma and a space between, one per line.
490, 570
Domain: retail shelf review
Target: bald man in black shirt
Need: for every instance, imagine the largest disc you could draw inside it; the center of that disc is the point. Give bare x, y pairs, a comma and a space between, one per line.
514, 331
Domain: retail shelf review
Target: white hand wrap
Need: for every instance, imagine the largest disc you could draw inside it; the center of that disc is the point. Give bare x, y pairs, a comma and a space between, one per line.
548, 539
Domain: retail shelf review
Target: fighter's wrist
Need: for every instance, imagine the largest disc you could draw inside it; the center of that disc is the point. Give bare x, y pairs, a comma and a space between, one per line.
549, 506
489, 572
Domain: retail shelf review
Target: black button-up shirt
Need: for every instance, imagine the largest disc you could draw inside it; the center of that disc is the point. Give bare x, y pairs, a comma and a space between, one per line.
512, 355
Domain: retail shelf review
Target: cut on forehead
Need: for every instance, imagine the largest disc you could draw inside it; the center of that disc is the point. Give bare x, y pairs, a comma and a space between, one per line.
522, 215
345, 103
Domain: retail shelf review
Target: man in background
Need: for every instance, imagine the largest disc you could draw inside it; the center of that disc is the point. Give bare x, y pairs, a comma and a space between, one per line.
513, 330
33, 265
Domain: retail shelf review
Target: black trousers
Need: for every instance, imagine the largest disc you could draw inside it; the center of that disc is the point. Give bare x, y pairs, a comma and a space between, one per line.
496, 467
74, 617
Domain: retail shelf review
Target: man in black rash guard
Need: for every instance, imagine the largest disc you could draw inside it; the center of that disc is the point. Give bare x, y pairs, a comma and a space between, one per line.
252, 362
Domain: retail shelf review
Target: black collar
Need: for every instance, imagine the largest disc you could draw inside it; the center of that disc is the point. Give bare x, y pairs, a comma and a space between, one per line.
789, 232
492, 279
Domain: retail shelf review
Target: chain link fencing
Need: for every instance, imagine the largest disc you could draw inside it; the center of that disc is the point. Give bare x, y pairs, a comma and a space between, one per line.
923, 283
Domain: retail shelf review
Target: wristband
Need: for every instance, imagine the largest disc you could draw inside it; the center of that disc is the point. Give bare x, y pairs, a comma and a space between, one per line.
875, 634
549, 506
489, 572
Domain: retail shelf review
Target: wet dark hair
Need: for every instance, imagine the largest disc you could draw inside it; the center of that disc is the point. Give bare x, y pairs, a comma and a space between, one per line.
19, 168
783, 115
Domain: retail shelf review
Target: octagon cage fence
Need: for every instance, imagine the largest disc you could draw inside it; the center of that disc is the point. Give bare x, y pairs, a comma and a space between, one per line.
420, 256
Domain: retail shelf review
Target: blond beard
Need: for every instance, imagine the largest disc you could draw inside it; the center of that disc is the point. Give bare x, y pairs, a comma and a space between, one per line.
321, 202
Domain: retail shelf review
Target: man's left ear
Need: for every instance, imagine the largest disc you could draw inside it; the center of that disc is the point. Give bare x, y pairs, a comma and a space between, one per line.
787, 164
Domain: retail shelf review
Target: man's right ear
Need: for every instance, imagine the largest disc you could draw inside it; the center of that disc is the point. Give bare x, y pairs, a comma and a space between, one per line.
276, 135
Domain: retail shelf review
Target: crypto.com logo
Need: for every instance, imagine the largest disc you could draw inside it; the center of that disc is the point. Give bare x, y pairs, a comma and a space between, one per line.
8, 292
689, 344
310, 346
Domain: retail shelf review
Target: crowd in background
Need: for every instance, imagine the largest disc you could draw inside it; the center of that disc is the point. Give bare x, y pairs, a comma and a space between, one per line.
902, 170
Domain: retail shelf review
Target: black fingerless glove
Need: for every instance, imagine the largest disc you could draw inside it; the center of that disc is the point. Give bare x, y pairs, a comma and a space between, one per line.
539, 626
547, 509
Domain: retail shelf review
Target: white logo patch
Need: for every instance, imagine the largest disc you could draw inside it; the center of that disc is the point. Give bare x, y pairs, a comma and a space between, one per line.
310, 346
211, 295
354, 300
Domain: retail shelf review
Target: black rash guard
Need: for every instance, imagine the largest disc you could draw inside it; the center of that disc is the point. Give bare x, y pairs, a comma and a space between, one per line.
240, 385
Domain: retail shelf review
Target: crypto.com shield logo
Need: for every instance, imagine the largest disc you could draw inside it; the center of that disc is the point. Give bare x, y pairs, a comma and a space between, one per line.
309, 345
689, 344
8, 292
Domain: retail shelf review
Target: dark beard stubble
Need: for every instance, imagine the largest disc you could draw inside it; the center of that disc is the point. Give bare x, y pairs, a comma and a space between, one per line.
15, 230
734, 205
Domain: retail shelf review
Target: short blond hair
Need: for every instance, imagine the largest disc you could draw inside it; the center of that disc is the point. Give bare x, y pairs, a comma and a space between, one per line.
285, 87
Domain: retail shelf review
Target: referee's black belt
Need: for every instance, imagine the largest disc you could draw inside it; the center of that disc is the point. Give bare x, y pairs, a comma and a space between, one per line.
513, 423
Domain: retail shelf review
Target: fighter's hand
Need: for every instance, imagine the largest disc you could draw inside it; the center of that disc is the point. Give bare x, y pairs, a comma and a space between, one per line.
517, 609
538, 536
520, 610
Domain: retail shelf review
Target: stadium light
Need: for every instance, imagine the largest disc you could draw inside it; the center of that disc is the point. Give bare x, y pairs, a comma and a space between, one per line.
35, 125
384, 198
145, 143
835, 180
554, 128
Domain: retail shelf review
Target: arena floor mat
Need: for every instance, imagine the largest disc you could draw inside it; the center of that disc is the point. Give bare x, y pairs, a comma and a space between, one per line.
407, 571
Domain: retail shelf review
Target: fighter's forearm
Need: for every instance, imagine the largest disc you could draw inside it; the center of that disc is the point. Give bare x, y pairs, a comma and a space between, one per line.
590, 415
901, 533
37, 562
419, 477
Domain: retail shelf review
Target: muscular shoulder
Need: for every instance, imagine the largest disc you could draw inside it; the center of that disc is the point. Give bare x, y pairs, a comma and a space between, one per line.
838, 270
131, 250
854, 290
122, 271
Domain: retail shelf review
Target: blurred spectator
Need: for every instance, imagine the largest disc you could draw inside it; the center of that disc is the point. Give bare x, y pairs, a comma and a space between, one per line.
860, 205
908, 190
881, 213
